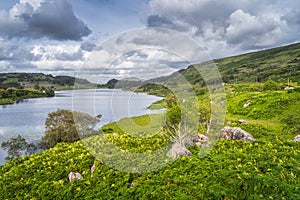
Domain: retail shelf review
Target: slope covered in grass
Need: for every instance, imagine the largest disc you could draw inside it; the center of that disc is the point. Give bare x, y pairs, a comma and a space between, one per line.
265, 169
233, 170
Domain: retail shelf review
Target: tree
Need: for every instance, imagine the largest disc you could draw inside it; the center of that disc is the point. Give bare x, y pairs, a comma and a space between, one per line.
50, 92
182, 120
66, 126
204, 115
15, 147
171, 100
173, 118
36, 86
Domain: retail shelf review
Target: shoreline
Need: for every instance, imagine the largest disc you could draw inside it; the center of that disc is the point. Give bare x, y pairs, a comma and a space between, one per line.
97, 127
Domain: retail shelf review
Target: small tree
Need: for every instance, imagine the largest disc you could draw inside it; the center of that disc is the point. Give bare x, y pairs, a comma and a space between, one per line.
171, 100
204, 116
182, 120
15, 147
66, 126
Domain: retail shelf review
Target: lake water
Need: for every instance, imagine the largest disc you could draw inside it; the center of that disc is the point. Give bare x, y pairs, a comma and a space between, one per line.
27, 118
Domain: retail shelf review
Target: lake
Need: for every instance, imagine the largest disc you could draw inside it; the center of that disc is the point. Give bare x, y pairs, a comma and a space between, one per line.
27, 118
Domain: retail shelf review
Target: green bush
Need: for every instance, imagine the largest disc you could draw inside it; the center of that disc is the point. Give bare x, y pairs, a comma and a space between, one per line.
271, 85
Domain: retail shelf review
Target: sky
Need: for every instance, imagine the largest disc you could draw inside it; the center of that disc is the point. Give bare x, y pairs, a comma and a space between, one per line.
104, 39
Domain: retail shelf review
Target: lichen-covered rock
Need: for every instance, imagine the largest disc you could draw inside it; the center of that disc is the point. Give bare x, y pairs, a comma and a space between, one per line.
297, 138
178, 150
235, 133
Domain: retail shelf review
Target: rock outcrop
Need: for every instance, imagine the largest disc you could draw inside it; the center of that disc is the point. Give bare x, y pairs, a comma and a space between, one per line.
235, 133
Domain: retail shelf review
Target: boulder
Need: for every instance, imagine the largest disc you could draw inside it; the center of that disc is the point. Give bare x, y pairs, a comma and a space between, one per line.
246, 105
73, 176
297, 138
178, 150
115, 134
196, 140
241, 121
235, 133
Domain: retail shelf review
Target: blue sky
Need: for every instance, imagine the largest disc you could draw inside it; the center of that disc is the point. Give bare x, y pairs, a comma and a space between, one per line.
63, 36
110, 16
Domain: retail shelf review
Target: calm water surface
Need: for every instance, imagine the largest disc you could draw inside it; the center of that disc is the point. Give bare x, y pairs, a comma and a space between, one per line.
27, 117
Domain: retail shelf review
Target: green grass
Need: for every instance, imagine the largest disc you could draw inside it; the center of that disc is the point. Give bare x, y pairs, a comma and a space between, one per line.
157, 105
142, 126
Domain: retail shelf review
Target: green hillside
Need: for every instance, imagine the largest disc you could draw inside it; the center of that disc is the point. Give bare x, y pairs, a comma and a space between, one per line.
278, 64
265, 169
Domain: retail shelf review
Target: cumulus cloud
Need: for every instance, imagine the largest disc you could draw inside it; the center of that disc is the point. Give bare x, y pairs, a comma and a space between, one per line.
144, 54
236, 25
34, 19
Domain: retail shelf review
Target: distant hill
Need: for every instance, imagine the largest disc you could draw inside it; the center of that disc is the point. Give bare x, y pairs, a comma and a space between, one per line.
30, 80
277, 64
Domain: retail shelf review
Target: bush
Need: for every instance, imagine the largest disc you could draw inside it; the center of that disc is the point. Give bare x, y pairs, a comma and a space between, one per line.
271, 85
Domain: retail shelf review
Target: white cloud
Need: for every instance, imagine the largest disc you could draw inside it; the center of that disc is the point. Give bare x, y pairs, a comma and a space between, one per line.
34, 19
144, 54
237, 26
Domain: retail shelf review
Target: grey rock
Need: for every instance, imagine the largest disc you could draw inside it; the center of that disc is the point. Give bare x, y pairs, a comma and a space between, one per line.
297, 138
116, 135
241, 121
196, 140
73, 176
235, 133
246, 105
178, 150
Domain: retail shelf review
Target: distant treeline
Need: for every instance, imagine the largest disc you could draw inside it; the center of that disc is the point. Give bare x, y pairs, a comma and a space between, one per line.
36, 80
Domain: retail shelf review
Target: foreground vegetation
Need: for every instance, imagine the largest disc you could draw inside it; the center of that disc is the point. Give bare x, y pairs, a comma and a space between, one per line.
267, 168
233, 170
